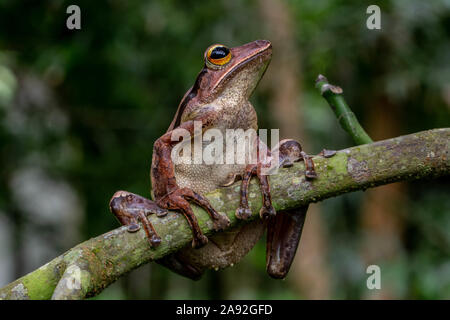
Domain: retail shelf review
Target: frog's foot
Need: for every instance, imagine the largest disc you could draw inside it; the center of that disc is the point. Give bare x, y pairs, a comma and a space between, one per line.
290, 151
179, 200
130, 209
243, 211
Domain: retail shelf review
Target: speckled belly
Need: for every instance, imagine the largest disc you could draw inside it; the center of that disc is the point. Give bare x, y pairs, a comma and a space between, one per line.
205, 178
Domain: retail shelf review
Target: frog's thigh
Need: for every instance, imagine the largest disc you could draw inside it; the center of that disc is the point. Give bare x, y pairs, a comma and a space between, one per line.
177, 264
225, 248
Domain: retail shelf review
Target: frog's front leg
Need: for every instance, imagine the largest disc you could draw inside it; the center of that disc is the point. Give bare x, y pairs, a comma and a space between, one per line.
169, 195
284, 228
289, 152
130, 209
243, 211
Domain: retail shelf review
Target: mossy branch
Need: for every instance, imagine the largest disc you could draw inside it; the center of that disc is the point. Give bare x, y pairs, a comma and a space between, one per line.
88, 268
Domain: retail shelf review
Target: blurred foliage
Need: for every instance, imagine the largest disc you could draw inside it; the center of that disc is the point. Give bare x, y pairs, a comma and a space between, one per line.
80, 110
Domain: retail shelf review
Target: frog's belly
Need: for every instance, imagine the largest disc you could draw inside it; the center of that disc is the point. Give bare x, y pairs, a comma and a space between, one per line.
204, 178
224, 248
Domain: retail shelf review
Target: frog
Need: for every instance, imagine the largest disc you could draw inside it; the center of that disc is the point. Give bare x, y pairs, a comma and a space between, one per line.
219, 99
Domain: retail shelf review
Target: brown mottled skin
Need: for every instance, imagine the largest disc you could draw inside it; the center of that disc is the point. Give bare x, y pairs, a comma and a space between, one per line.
219, 99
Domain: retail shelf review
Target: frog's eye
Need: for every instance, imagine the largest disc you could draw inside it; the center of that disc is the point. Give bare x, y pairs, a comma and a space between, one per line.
217, 55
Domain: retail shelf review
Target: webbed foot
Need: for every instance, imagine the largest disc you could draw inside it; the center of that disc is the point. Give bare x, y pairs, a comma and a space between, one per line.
290, 151
130, 209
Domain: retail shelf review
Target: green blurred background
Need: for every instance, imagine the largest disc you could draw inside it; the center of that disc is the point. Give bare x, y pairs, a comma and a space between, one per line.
80, 110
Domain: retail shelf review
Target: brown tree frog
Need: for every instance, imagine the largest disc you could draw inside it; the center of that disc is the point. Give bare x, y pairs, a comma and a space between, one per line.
219, 99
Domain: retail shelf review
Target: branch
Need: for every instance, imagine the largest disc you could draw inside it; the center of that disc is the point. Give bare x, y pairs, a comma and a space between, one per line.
88, 268
347, 119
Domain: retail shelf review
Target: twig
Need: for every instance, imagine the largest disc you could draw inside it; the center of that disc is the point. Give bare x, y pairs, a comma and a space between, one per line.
347, 119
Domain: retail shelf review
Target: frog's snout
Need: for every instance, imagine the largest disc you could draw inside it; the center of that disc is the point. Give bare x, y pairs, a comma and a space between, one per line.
263, 43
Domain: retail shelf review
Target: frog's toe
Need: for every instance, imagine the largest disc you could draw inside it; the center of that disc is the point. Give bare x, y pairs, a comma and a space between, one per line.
310, 174
199, 241
154, 241
327, 153
243, 213
286, 163
221, 223
161, 214
266, 212
134, 227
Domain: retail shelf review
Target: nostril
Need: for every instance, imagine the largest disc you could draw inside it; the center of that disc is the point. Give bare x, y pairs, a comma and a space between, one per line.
263, 43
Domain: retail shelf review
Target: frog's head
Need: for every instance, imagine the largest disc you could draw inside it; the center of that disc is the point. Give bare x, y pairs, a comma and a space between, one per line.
229, 73
234, 71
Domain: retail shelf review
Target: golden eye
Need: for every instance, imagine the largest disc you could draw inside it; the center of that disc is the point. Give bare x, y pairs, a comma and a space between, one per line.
217, 55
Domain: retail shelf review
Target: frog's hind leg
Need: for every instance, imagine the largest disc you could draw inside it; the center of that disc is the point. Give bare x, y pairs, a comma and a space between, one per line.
290, 151
130, 209
283, 236
243, 211
176, 263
